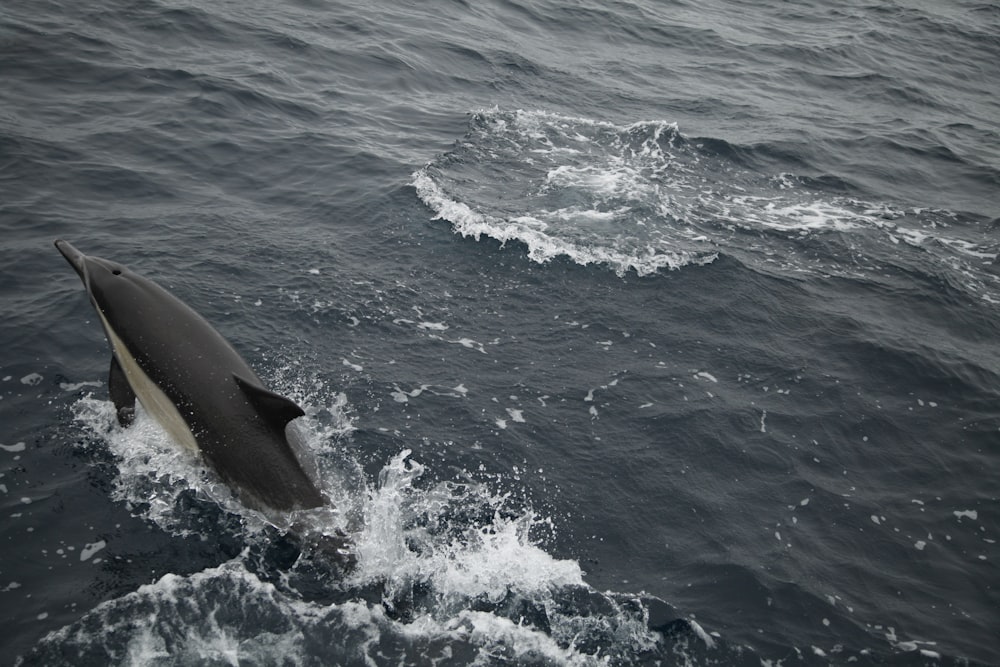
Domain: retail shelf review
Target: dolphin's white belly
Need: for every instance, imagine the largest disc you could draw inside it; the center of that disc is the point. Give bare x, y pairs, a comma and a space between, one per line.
153, 400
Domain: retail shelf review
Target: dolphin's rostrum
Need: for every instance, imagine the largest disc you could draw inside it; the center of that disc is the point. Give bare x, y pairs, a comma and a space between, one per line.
196, 385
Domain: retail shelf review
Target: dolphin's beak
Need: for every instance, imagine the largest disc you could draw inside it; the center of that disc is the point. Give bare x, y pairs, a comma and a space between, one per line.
75, 258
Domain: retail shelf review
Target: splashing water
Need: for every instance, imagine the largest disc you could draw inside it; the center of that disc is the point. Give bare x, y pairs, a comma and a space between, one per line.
450, 571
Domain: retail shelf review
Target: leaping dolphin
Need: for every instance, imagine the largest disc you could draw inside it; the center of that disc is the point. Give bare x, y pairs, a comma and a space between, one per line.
196, 385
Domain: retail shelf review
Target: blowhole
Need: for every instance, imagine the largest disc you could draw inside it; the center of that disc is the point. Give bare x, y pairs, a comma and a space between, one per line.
116, 272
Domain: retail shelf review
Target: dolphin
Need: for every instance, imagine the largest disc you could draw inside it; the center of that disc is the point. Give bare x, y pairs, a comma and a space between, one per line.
196, 385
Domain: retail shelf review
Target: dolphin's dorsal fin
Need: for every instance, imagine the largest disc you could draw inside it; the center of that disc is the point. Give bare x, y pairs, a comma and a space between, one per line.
121, 393
274, 408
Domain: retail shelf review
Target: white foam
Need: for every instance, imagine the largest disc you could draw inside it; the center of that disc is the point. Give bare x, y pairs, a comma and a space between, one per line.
525, 643
153, 471
641, 197
401, 396
88, 550
700, 632
598, 181
600, 231
471, 344
75, 386
516, 415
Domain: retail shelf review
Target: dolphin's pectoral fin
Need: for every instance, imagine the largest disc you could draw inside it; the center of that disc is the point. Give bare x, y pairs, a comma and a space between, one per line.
121, 393
274, 408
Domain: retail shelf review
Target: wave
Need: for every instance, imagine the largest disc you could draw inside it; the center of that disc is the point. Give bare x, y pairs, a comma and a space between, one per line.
643, 197
584, 189
544, 244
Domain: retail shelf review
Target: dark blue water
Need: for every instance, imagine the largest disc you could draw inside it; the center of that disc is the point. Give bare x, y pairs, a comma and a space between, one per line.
627, 333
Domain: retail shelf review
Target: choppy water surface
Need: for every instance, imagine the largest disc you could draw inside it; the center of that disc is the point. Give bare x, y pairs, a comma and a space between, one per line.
642, 333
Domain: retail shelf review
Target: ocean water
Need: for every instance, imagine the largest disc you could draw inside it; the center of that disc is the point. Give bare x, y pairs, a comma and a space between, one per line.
655, 332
